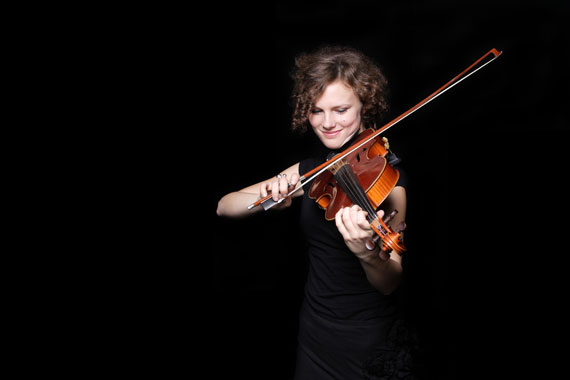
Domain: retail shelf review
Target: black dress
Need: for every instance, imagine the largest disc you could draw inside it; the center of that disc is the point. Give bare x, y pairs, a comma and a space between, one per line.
344, 321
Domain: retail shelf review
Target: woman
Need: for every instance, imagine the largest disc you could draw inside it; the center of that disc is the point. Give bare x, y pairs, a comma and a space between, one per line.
347, 310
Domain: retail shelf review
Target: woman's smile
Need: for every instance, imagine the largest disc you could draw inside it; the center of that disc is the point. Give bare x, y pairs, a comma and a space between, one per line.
331, 134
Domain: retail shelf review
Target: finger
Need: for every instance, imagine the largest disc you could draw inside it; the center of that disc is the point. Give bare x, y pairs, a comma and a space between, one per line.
339, 220
263, 190
380, 213
349, 217
354, 213
362, 221
275, 190
358, 218
347, 213
294, 179
283, 185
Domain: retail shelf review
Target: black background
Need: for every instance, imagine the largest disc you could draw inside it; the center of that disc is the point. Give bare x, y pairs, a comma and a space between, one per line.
487, 160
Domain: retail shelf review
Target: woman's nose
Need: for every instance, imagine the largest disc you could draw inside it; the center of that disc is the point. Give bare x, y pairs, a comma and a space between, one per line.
329, 121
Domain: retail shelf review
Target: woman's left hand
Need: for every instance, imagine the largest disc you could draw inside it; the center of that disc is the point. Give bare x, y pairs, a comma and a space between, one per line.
356, 231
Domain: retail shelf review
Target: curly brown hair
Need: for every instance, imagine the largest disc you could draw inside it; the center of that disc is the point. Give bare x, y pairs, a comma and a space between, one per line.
314, 71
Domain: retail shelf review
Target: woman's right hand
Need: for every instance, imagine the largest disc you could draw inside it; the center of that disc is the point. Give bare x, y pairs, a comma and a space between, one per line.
235, 204
279, 188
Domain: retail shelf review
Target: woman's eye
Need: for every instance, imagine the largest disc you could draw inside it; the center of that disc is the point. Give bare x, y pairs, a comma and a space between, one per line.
341, 110
315, 111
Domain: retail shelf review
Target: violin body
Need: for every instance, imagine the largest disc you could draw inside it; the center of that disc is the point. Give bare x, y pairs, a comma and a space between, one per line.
375, 175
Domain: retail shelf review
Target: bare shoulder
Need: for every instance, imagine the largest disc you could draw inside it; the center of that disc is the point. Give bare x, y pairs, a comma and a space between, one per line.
397, 199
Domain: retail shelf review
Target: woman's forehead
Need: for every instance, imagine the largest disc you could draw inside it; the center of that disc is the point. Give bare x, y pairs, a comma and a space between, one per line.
336, 93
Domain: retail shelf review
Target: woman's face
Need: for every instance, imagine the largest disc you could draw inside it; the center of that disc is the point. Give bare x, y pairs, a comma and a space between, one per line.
335, 116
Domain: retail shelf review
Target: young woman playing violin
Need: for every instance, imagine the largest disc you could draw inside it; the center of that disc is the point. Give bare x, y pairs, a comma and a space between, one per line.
348, 309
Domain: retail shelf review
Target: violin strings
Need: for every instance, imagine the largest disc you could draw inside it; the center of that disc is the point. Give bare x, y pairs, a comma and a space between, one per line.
349, 183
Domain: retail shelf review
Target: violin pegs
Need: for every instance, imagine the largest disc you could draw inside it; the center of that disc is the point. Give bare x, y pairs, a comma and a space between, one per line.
384, 254
370, 245
390, 216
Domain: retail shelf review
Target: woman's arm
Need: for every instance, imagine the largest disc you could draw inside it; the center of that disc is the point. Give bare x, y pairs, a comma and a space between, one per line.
384, 275
234, 205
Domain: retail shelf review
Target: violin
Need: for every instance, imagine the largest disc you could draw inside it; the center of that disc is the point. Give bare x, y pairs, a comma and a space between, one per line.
364, 178
362, 175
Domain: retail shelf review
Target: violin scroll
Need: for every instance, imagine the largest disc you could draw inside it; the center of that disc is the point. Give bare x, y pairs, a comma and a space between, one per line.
391, 239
